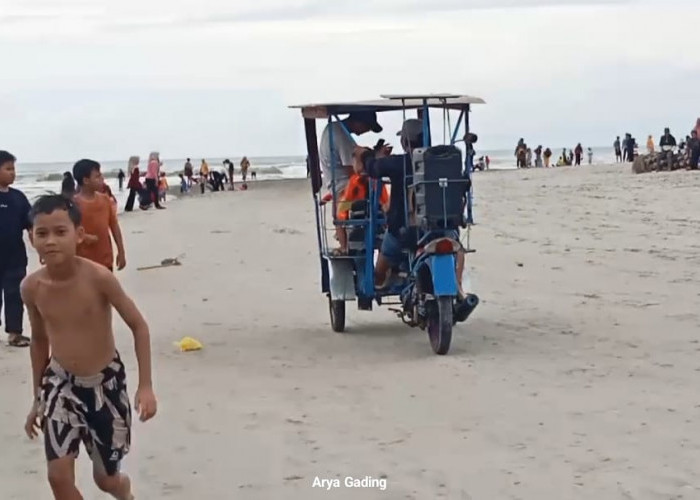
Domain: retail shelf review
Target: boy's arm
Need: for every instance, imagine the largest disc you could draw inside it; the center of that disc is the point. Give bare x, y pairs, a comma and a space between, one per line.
118, 239
39, 347
133, 318
109, 285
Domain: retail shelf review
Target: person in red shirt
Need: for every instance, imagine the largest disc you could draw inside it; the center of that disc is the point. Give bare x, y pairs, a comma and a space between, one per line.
99, 217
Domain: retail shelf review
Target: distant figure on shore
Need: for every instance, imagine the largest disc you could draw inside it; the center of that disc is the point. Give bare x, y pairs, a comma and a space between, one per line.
538, 157
668, 144
578, 153
618, 150
189, 173
694, 149
590, 156
134, 186
521, 153
152, 176
245, 165
650, 145
183, 184
625, 146
229, 163
528, 157
120, 179
203, 176
163, 187
547, 157
629, 150
132, 164
68, 185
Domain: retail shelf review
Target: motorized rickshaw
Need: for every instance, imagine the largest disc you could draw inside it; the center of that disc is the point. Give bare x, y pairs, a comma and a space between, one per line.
438, 206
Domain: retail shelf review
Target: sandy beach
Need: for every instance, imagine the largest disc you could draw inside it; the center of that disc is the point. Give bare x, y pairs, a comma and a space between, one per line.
576, 378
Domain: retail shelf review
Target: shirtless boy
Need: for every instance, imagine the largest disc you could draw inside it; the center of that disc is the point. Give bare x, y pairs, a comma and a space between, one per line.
78, 377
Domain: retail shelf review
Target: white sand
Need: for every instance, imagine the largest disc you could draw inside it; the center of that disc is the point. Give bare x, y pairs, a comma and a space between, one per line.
577, 377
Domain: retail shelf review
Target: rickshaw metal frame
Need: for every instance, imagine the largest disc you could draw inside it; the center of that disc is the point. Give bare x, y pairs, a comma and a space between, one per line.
344, 289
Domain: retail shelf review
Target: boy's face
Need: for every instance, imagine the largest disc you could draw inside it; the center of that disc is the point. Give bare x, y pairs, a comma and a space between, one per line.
55, 237
7, 173
95, 181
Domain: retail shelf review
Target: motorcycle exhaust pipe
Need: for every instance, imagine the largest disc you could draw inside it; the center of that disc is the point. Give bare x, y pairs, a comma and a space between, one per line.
465, 308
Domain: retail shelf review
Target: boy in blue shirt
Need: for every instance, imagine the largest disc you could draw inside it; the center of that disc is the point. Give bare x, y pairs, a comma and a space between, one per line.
14, 220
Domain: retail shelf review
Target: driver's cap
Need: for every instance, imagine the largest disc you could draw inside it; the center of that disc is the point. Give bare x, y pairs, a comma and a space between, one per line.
412, 129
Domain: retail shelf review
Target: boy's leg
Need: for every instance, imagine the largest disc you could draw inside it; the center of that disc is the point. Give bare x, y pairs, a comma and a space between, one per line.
110, 433
14, 307
118, 485
62, 479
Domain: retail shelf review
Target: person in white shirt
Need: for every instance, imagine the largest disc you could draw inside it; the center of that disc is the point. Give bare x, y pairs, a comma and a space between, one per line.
344, 146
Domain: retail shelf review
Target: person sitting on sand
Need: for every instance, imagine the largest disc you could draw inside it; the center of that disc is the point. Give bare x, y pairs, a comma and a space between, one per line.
78, 378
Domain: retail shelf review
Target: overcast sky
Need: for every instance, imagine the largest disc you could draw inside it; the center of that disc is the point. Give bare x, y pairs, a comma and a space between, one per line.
214, 77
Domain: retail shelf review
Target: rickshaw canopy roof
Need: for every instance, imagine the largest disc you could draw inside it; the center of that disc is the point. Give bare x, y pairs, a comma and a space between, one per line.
389, 102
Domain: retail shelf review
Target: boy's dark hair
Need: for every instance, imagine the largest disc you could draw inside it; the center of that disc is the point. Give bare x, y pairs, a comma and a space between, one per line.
6, 157
83, 169
49, 203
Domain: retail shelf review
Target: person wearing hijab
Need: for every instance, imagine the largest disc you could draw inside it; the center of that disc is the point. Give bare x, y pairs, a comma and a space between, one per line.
134, 187
152, 176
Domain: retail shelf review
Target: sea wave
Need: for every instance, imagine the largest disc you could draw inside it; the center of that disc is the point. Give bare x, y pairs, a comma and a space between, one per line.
277, 169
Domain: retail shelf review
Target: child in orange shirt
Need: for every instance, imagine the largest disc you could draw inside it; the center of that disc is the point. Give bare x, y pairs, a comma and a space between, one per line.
99, 217
162, 186
357, 189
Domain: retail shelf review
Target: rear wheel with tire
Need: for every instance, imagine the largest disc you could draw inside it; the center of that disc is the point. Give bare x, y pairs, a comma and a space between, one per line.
337, 310
440, 325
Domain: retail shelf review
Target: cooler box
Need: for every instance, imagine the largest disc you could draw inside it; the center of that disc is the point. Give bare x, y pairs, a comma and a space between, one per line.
439, 187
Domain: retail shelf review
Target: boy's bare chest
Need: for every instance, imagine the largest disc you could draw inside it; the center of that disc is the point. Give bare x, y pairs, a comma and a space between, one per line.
74, 306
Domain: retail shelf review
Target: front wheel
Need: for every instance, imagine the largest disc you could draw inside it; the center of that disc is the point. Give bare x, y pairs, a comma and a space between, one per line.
440, 326
337, 310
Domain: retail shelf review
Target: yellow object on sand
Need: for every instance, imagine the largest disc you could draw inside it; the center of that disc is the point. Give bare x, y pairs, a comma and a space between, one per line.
189, 344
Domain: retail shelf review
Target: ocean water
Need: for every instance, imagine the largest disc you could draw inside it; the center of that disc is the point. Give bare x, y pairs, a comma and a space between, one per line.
36, 179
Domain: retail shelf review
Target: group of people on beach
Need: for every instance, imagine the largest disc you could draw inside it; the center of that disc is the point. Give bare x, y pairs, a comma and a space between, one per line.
78, 378
543, 156
215, 180
627, 149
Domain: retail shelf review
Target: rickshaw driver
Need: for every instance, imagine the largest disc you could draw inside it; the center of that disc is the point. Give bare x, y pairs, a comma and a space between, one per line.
392, 166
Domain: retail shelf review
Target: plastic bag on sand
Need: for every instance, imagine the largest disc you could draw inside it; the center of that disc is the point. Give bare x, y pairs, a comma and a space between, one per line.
189, 344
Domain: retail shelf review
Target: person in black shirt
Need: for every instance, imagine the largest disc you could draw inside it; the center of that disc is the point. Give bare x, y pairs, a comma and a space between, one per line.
694, 149
14, 220
399, 170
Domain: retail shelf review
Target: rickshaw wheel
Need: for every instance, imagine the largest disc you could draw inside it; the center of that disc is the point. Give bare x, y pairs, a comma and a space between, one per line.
337, 310
440, 326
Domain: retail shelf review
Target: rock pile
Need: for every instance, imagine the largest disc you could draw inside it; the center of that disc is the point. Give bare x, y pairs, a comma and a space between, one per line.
659, 162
